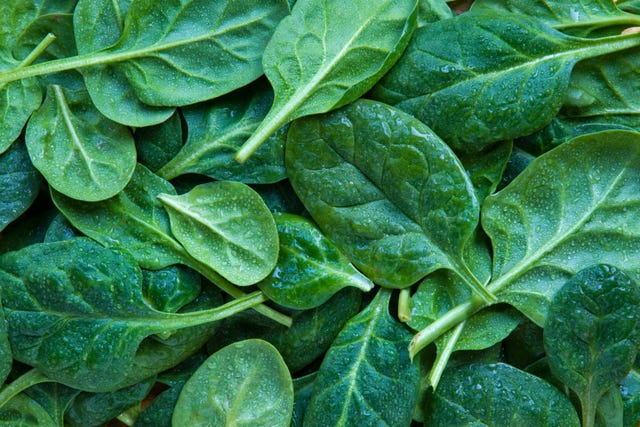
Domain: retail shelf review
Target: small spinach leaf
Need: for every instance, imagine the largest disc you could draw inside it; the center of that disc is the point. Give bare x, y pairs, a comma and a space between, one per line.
310, 268
19, 183
366, 377
54, 397
157, 145
170, 288
592, 333
80, 152
630, 390
244, 384
25, 412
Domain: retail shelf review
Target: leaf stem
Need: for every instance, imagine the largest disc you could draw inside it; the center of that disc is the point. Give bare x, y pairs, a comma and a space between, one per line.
23, 382
271, 123
35, 53
443, 356
404, 305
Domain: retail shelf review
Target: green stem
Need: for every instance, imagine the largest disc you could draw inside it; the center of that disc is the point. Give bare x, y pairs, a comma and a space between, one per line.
22, 383
271, 123
129, 416
35, 53
444, 355
404, 305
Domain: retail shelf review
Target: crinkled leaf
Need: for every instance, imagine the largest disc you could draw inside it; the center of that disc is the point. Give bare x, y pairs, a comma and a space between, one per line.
187, 51
573, 205
171, 288
385, 189
497, 394
310, 268
227, 226
592, 333
79, 152
19, 183
244, 384
325, 55
54, 397
366, 377
217, 129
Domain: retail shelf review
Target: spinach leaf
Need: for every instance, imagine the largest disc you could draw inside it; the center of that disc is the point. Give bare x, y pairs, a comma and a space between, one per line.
54, 397
366, 376
170, 288
75, 311
432, 11
325, 55
157, 145
244, 384
19, 183
473, 94
59, 229
99, 25
227, 226
497, 394
159, 412
302, 390
386, 190
24, 411
610, 410
218, 128
6, 357
310, 268
80, 153
592, 333
630, 390
485, 169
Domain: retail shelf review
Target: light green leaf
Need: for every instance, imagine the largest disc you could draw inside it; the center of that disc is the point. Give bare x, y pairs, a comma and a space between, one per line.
80, 153
244, 384
227, 226
310, 268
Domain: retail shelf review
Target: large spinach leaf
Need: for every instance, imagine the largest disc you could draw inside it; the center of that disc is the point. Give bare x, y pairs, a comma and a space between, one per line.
592, 333
325, 55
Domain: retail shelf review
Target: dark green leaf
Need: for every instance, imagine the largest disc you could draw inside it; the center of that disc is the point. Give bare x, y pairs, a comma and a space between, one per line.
325, 55
630, 390
244, 384
432, 11
19, 183
157, 145
170, 288
55, 398
6, 357
385, 189
500, 395
310, 268
302, 390
227, 226
60, 229
485, 169
159, 412
80, 153
610, 410
366, 377
25, 412
592, 333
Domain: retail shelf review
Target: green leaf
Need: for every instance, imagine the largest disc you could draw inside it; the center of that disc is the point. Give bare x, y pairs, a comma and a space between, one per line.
157, 145
19, 183
474, 94
366, 377
6, 357
170, 288
24, 412
385, 189
75, 311
218, 128
227, 226
310, 268
17, 101
630, 390
59, 229
570, 207
302, 388
162, 48
497, 394
244, 384
80, 153
592, 333
325, 55
432, 11
159, 412
98, 24
55, 398
485, 168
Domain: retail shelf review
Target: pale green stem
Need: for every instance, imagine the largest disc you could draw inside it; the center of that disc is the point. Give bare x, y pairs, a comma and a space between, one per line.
404, 305
444, 355
35, 53
22, 383
129, 416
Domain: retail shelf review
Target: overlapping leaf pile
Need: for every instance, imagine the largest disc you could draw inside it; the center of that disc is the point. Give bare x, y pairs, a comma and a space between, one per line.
272, 212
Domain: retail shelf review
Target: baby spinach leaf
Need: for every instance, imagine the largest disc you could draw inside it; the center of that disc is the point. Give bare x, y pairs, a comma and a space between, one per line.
473, 94
571, 206
485, 169
432, 11
386, 190
310, 268
630, 390
366, 377
99, 25
227, 226
59, 229
159, 412
25, 412
218, 128
17, 101
19, 183
244, 384
6, 357
157, 145
75, 311
79, 152
54, 397
325, 55
592, 333
497, 394
170, 288
302, 390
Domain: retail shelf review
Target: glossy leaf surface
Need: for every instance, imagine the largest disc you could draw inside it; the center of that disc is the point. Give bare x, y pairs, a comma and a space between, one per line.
19, 183
497, 394
80, 153
592, 333
325, 55
157, 145
227, 226
310, 268
385, 189
366, 377
244, 384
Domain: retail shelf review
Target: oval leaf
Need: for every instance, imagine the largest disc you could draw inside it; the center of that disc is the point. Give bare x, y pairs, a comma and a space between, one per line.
325, 55
592, 333
245, 384
227, 226
80, 153
385, 189
310, 268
